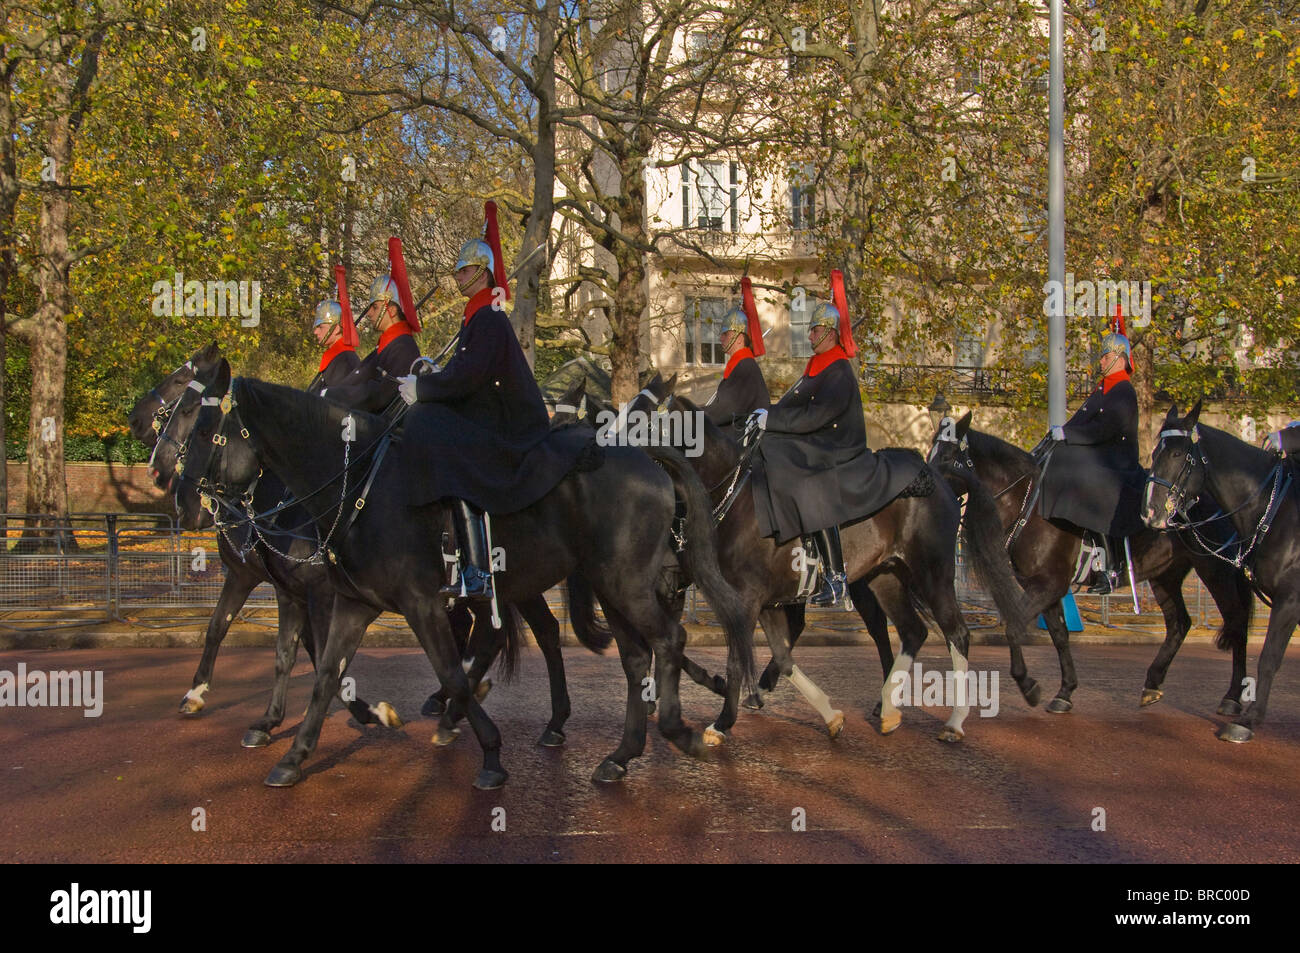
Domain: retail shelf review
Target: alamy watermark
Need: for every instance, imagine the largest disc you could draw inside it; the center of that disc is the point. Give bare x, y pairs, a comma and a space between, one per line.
979, 689
1098, 299
25, 689
213, 299
78, 906
658, 428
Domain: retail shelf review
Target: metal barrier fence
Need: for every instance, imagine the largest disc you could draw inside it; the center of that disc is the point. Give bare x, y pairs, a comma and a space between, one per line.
143, 568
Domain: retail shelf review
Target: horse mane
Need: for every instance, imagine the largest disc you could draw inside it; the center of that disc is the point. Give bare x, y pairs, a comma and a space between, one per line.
993, 447
1222, 439
301, 424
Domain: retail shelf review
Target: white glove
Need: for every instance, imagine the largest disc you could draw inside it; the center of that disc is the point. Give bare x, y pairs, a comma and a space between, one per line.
406, 387
1058, 433
323, 390
1274, 441
759, 417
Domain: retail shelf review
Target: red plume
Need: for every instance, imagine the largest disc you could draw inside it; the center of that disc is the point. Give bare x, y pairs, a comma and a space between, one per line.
1118, 324
841, 301
350, 336
397, 270
493, 237
751, 312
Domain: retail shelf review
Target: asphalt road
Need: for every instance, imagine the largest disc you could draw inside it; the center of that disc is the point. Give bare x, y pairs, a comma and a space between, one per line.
1022, 786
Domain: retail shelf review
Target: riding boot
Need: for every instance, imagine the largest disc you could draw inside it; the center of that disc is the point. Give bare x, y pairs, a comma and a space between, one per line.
833, 580
1107, 580
475, 561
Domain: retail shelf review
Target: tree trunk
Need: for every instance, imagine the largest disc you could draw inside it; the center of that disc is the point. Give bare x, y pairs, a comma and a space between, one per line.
627, 310
537, 231
9, 190
47, 490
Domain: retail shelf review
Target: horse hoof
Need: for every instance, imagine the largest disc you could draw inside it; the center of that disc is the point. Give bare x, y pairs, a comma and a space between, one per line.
950, 734
387, 715
836, 724
875, 712
608, 771
754, 701
283, 776
489, 780
481, 692
255, 738
1059, 706
890, 724
551, 738
713, 737
191, 705
1150, 696
1033, 695
1229, 706
433, 707
1237, 734
442, 737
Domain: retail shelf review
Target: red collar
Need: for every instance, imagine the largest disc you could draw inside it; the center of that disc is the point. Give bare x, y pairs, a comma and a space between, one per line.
819, 362
481, 299
394, 332
1111, 380
333, 351
736, 358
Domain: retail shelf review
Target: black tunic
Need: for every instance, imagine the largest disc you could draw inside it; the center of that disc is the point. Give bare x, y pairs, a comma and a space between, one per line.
336, 372
813, 469
372, 385
739, 394
1094, 479
480, 431
1291, 440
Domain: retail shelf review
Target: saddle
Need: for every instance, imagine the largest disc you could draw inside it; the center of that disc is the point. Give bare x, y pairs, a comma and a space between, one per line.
922, 484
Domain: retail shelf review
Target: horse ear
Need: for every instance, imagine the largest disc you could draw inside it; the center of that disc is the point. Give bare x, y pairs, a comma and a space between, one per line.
963, 425
222, 382
1195, 413
670, 385
212, 352
1173, 413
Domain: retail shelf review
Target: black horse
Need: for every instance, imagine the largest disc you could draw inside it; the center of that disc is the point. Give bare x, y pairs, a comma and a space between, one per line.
275, 554
1255, 490
612, 522
1046, 552
163, 418
901, 558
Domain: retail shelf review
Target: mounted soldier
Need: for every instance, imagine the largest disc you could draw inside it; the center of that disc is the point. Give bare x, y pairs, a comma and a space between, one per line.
812, 469
1092, 477
337, 334
372, 387
478, 434
742, 389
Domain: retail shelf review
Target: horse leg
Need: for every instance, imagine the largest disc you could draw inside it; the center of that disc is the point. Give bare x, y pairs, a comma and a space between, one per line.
1236, 602
1168, 592
1060, 633
667, 659
477, 651
767, 682
911, 634
877, 623
347, 629
292, 621
634, 655
1281, 623
546, 630
234, 593
943, 603
462, 622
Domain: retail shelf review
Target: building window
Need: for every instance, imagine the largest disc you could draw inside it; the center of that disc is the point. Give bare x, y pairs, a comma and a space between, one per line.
699, 50
803, 201
969, 351
709, 195
703, 328
968, 77
800, 346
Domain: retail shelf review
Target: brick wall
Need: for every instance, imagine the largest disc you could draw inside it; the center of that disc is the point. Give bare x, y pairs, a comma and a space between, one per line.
97, 488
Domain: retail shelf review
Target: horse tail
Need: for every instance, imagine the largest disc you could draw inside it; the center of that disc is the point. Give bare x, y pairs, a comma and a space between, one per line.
700, 559
982, 535
582, 614
1229, 637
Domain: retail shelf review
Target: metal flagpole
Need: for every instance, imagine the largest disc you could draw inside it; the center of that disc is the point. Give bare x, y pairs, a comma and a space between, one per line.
1056, 217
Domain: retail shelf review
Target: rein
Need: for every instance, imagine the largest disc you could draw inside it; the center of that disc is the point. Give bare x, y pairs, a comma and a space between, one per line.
1176, 504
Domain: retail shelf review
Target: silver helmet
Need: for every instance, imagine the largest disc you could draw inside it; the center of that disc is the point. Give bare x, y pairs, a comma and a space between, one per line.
328, 314
735, 320
383, 291
476, 252
825, 315
1118, 343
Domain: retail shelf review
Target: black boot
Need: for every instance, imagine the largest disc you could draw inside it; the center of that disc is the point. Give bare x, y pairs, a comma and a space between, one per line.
1107, 580
833, 581
475, 561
